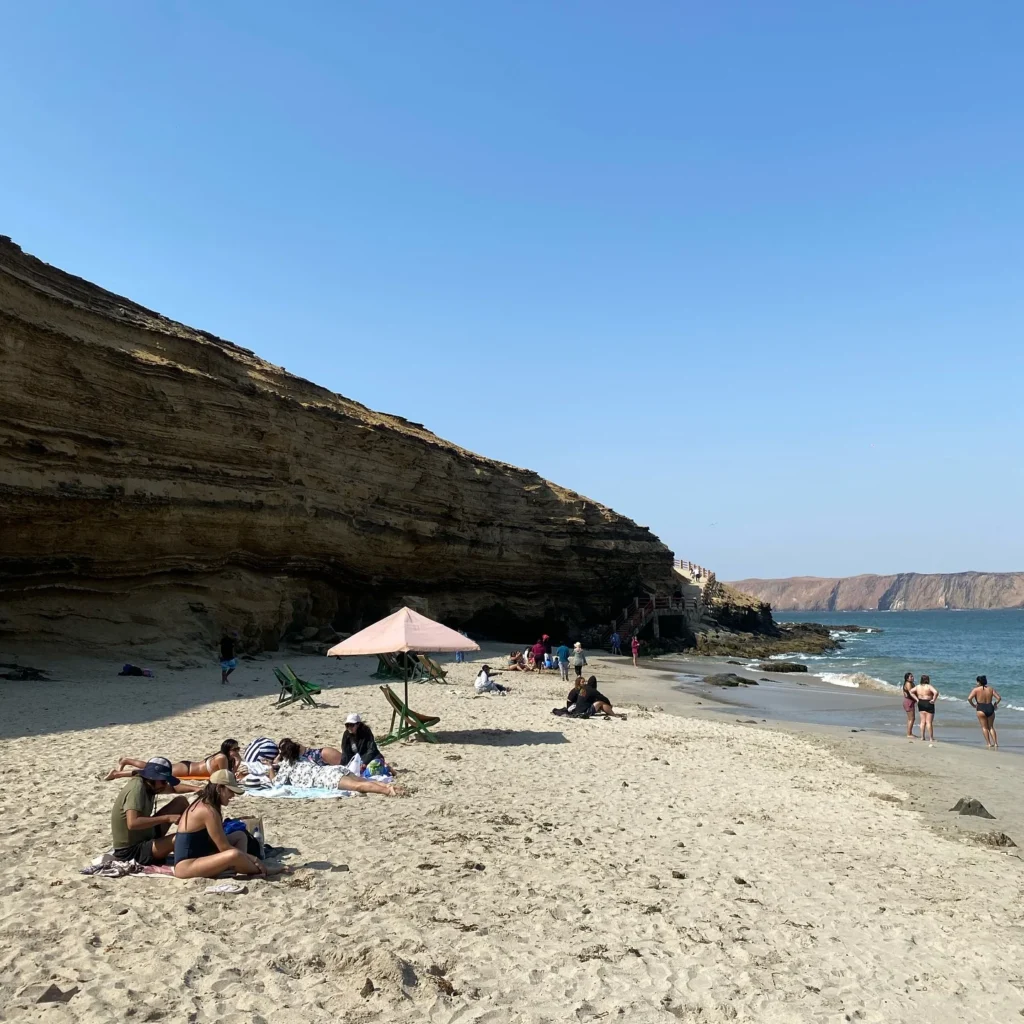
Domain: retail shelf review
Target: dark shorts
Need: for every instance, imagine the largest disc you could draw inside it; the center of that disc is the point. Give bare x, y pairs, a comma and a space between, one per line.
141, 853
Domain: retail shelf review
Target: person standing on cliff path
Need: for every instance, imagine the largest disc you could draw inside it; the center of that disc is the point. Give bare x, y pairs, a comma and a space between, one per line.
635, 644
228, 661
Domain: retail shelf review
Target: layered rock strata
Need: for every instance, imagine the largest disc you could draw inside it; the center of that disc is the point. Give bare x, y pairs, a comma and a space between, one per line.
158, 484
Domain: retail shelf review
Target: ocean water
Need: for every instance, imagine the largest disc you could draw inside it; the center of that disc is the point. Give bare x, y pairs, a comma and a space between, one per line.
951, 647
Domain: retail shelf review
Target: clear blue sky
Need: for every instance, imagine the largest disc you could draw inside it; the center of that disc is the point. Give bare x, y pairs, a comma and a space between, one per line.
750, 273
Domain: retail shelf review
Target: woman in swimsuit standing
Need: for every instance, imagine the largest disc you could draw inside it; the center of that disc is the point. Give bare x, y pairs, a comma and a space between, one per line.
926, 695
228, 758
909, 704
984, 699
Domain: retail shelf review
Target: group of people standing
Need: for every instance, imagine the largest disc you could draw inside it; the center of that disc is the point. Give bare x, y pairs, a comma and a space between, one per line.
920, 699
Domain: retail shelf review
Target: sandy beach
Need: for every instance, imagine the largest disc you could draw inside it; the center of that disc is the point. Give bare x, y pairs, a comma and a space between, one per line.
681, 865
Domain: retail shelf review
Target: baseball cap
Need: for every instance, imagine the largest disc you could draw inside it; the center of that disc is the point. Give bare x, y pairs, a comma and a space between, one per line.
354, 719
222, 777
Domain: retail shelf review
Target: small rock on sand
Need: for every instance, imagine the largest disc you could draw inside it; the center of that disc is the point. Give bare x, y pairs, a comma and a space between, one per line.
969, 805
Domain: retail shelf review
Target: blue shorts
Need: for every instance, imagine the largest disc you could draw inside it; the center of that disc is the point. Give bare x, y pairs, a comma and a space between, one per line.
227, 666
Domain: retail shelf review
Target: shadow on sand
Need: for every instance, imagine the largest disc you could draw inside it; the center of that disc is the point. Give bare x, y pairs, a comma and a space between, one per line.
499, 737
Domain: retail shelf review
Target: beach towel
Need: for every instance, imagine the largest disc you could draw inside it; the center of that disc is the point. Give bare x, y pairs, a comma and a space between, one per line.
105, 866
302, 792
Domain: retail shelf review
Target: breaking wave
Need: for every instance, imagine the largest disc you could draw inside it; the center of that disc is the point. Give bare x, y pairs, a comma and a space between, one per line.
857, 681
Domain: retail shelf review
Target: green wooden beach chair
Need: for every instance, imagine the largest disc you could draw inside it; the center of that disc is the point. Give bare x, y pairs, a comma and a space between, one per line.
384, 670
408, 721
432, 669
294, 689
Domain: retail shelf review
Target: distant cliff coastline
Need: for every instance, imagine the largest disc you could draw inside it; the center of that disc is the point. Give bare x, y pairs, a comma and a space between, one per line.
908, 591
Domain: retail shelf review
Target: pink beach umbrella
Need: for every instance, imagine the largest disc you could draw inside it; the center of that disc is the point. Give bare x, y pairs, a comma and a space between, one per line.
404, 630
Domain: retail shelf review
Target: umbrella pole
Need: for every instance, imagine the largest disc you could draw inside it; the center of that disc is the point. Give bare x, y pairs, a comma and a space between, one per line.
407, 673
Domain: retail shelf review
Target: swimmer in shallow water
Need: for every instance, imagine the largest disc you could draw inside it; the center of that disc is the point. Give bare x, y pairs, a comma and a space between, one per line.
984, 699
926, 695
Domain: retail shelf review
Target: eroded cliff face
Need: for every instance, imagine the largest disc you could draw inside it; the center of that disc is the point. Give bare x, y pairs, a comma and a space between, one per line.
910, 591
159, 484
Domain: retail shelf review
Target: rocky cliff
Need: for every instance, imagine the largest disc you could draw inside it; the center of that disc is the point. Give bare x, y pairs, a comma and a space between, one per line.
910, 591
159, 484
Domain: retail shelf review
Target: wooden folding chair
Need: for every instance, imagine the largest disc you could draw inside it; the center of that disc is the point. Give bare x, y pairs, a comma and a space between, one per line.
409, 721
432, 669
294, 689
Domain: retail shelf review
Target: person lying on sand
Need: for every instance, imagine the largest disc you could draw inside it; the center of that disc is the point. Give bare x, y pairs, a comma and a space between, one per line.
201, 849
228, 758
304, 774
138, 834
292, 751
262, 750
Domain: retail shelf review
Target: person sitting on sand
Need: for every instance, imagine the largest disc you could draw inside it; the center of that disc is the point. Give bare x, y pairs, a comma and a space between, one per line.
292, 751
359, 739
926, 695
262, 750
201, 849
139, 834
984, 699
599, 702
228, 758
485, 684
306, 775
909, 704
516, 662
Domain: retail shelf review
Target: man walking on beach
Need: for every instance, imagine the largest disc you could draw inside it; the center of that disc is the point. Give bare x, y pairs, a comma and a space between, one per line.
138, 834
228, 661
616, 643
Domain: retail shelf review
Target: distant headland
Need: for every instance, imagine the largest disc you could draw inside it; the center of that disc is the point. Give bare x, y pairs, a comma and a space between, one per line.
907, 591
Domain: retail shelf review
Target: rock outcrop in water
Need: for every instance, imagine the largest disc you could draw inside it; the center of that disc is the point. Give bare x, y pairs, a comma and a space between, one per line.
158, 484
909, 591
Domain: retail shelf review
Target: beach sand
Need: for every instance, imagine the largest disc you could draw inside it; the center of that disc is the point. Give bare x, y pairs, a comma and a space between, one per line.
670, 867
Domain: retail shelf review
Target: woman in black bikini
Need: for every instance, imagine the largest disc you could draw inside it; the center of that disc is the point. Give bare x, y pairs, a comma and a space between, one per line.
984, 699
201, 849
228, 758
926, 695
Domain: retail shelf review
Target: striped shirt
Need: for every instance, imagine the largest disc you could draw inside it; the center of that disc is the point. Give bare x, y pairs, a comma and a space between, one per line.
261, 749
